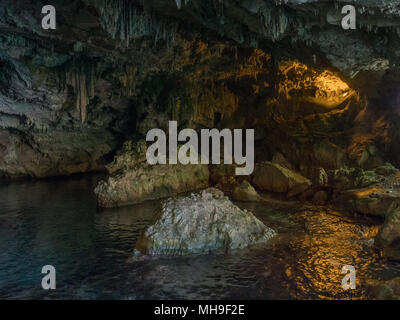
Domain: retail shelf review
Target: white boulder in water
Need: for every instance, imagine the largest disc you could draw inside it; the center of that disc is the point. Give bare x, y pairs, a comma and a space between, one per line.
201, 223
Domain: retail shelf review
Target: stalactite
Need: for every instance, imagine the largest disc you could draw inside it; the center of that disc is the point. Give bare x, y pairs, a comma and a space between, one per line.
128, 75
179, 3
219, 9
277, 21
253, 41
124, 20
81, 76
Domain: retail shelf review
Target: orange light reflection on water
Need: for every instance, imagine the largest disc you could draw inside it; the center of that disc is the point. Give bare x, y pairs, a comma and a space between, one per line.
319, 253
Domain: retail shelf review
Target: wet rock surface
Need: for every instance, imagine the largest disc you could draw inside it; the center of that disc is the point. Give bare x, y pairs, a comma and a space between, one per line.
199, 224
374, 200
270, 176
320, 198
380, 200
388, 237
386, 290
377, 199
245, 192
133, 180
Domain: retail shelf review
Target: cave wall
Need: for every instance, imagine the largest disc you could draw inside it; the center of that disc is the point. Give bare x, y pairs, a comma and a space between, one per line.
114, 69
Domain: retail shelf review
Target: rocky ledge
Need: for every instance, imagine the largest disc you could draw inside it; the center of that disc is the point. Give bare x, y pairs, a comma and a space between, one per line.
377, 194
133, 180
386, 290
199, 224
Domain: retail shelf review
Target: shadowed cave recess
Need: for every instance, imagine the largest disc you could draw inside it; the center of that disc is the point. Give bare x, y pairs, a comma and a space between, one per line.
324, 102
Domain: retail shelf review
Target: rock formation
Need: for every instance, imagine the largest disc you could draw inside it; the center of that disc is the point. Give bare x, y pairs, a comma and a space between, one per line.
386, 290
133, 180
245, 192
380, 199
201, 223
270, 176
320, 198
389, 235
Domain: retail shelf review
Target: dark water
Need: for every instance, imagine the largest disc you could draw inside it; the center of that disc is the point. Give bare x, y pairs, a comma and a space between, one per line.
56, 223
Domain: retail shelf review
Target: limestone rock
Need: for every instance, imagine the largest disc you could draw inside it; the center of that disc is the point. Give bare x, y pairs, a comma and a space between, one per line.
201, 223
375, 200
386, 170
370, 158
133, 180
329, 155
138, 88
280, 159
245, 192
223, 176
321, 177
270, 176
389, 235
385, 290
317, 175
351, 178
320, 198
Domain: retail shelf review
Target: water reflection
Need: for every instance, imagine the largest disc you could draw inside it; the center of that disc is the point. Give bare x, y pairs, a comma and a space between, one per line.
56, 222
327, 244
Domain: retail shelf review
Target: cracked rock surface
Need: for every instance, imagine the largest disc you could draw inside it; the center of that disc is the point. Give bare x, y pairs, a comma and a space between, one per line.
202, 223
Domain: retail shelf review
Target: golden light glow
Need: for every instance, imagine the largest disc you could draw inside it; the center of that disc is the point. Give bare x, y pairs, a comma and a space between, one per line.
324, 88
367, 192
321, 254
